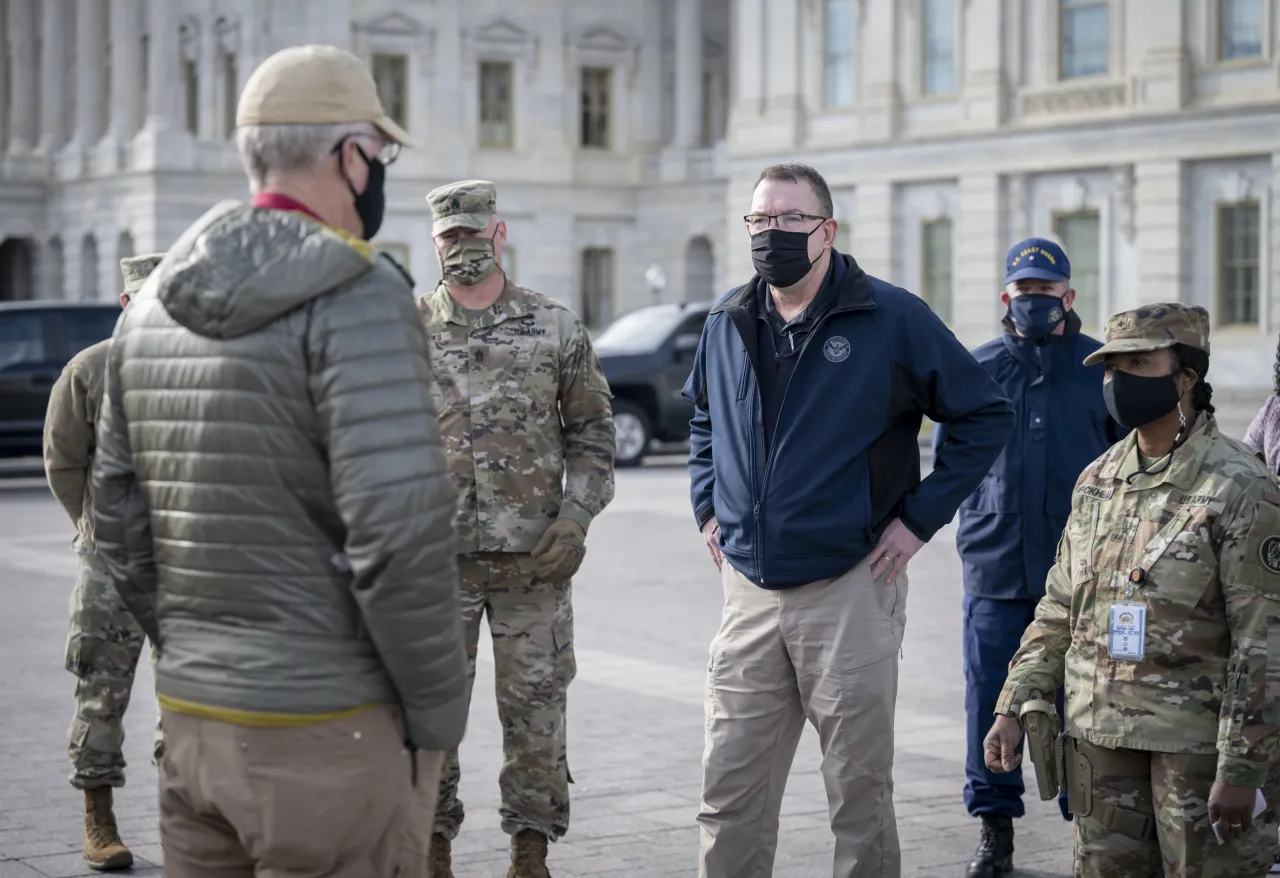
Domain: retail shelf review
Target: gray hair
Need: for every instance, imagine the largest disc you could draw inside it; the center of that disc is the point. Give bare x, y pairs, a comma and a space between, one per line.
286, 149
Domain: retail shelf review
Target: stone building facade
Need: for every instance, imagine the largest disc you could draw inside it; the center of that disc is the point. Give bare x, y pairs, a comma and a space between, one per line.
1144, 134
625, 136
602, 123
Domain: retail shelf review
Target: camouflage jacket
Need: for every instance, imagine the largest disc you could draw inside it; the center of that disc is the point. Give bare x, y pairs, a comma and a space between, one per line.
69, 433
518, 463
1199, 546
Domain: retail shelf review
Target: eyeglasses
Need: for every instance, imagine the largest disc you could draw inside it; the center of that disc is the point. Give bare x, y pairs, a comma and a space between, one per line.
790, 222
388, 150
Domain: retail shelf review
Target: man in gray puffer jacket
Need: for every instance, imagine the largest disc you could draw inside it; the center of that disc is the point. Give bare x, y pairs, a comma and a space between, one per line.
274, 506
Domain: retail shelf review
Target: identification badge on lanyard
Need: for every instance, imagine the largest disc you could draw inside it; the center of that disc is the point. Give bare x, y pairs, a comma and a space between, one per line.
1128, 632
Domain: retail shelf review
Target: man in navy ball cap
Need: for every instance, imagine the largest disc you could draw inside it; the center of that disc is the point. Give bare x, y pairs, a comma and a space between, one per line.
1009, 527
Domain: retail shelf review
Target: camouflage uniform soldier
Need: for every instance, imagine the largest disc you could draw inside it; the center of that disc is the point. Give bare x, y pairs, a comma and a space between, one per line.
104, 641
1162, 613
528, 429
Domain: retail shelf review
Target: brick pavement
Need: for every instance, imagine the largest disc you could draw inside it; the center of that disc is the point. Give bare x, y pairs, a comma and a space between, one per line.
647, 604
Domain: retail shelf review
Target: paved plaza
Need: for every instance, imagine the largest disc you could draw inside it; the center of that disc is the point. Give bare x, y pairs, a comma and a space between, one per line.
647, 603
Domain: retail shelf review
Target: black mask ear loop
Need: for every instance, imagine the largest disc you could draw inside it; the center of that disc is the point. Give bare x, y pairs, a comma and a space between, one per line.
1168, 460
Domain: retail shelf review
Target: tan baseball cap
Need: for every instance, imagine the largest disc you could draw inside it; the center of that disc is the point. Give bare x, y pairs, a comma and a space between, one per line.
315, 85
1154, 328
136, 269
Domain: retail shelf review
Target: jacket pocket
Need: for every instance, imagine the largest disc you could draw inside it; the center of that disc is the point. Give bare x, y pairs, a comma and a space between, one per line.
1178, 564
994, 495
744, 376
513, 378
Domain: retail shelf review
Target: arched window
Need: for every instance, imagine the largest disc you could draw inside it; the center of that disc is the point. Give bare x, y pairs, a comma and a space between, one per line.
89, 274
699, 271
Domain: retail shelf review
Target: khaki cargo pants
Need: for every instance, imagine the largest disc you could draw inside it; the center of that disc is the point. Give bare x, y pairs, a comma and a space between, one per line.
104, 644
825, 652
334, 799
1141, 814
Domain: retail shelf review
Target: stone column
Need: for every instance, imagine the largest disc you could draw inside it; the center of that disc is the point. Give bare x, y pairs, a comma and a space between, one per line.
978, 239
881, 99
1164, 69
209, 65
91, 62
53, 76
126, 70
983, 58
23, 76
1274, 255
651, 75
165, 73
872, 234
1159, 193
688, 127
781, 120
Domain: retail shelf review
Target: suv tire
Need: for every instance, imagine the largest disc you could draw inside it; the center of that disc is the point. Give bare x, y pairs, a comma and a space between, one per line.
634, 433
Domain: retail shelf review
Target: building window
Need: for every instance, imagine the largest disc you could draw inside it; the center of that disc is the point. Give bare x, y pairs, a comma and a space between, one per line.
708, 134
509, 262
1085, 31
936, 273
938, 35
1239, 29
495, 104
391, 73
1081, 237
1238, 256
191, 80
397, 251
597, 84
230, 94
839, 53
597, 287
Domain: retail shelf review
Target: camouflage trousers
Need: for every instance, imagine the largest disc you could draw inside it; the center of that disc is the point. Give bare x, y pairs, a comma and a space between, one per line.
1141, 814
531, 624
104, 643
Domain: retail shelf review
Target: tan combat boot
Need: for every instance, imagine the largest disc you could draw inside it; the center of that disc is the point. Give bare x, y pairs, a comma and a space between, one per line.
528, 855
103, 850
440, 863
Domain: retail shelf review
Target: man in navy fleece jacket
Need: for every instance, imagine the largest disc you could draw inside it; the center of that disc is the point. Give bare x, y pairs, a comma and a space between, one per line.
809, 388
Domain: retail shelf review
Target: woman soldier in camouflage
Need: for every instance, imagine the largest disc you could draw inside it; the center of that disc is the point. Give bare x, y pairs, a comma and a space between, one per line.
1162, 614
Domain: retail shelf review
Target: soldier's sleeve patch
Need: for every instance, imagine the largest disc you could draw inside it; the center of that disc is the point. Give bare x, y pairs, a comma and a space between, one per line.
1269, 553
1260, 561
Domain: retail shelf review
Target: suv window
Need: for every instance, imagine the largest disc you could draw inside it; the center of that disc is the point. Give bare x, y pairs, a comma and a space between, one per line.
88, 326
693, 325
640, 331
22, 340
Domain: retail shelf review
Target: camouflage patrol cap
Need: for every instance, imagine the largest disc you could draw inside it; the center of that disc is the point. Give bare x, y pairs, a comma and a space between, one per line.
1154, 328
136, 269
467, 204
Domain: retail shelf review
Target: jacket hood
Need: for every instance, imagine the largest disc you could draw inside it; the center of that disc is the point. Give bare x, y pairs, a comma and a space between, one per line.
240, 267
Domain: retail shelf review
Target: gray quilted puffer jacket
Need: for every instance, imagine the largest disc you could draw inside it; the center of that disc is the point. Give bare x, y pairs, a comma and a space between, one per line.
270, 492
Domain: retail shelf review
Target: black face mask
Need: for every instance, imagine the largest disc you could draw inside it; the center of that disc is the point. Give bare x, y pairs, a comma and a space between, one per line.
781, 257
371, 204
1135, 400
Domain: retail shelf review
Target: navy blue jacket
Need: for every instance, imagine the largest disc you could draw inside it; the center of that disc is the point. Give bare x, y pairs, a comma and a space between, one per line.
1010, 526
845, 459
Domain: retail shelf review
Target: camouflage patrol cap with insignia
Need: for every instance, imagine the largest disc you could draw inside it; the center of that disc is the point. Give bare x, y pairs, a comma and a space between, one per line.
136, 269
1154, 328
467, 204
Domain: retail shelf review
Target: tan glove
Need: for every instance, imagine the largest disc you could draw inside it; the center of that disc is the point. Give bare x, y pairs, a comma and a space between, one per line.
560, 551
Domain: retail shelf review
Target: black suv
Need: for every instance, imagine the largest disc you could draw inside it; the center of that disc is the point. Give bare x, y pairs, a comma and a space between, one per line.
647, 355
36, 341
